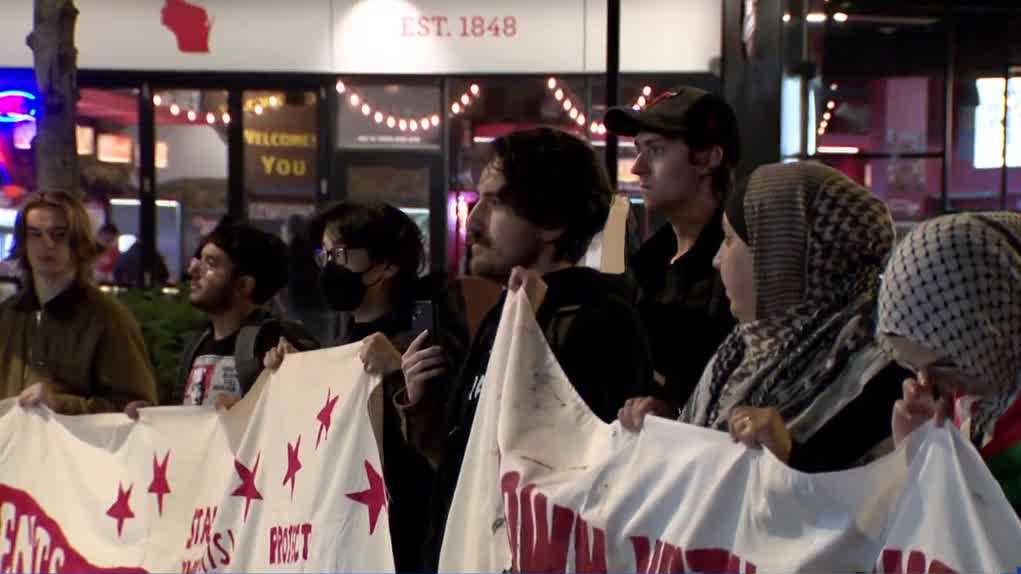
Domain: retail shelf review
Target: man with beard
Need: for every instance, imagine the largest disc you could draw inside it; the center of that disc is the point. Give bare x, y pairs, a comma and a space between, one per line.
542, 197
235, 271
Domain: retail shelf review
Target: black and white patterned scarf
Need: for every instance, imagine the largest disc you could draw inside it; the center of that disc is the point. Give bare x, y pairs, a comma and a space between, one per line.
954, 286
818, 243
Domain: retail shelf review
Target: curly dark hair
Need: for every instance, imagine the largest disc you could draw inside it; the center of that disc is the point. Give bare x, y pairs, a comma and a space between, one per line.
555, 180
252, 252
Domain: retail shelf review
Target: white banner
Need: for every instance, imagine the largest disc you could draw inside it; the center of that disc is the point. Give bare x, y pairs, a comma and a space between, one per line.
289, 480
546, 486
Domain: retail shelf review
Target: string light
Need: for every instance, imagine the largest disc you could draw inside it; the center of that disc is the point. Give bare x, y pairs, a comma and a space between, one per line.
157, 100
459, 105
258, 109
595, 127
225, 118
192, 115
210, 118
175, 109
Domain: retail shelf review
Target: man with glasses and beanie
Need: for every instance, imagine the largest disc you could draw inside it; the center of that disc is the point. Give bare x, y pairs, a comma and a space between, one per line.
688, 146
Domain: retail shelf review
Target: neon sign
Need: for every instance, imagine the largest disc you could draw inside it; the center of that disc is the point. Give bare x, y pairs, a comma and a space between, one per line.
17, 106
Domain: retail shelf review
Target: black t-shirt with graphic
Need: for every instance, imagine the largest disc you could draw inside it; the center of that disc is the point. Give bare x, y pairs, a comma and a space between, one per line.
213, 372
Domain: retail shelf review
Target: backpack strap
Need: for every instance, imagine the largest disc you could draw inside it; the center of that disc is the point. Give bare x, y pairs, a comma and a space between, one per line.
247, 362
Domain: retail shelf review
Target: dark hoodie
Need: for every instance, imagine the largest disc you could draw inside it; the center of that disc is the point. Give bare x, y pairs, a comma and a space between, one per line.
598, 340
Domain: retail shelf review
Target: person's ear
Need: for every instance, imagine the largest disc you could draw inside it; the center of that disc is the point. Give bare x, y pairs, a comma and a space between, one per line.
246, 286
708, 160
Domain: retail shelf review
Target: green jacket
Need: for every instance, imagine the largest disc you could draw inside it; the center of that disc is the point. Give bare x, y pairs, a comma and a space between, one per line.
86, 345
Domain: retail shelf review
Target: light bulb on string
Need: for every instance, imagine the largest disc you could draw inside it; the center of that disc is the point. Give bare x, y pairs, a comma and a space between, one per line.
175, 109
391, 122
435, 120
474, 89
341, 87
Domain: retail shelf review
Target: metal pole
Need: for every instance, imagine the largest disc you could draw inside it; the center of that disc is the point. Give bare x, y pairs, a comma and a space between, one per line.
147, 187
948, 98
236, 200
612, 80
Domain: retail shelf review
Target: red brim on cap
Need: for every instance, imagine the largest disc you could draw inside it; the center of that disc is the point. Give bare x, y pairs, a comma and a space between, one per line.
628, 122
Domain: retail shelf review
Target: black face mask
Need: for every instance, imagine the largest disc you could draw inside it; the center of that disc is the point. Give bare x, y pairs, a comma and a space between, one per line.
342, 288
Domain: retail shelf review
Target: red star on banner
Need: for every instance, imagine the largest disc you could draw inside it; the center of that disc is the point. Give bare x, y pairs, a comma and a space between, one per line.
247, 488
325, 417
121, 509
159, 485
374, 497
293, 464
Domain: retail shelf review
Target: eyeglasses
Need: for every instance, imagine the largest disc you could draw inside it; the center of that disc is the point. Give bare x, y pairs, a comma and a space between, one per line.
336, 255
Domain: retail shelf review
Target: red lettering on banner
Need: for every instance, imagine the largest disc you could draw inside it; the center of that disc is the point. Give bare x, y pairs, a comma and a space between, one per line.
214, 552
201, 525
665, 558
542, 549
31, 541
589, 557
284, 547
892, 562
540, 542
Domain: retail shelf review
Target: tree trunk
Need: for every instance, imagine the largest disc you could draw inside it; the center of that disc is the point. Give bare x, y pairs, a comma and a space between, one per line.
56, 63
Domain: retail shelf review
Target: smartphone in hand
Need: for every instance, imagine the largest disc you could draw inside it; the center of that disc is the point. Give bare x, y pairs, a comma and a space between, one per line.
423, 319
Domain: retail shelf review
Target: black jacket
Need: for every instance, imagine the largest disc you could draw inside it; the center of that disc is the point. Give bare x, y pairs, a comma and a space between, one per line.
683, 306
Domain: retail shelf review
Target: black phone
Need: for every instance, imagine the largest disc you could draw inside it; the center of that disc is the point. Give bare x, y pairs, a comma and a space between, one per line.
423, 319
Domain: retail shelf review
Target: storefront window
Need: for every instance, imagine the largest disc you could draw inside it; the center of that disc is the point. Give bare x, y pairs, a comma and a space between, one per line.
191, 171
879, 118
389, 136
281, 136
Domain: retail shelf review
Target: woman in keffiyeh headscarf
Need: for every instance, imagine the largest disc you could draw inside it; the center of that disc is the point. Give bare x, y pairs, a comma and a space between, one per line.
950, 310
803, 250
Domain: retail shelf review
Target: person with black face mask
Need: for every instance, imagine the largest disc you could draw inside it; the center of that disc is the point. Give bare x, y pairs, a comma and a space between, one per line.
369, 264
